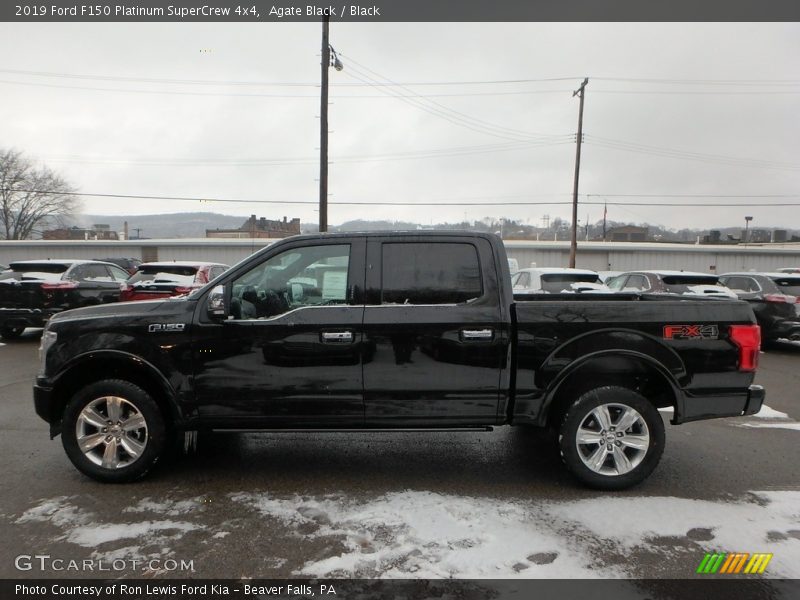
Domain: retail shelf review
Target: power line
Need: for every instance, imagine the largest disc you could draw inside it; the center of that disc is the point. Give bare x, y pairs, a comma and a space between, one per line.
261, 162
688, 155
228, 82
489, 202
446, 113
722, 82
267, 83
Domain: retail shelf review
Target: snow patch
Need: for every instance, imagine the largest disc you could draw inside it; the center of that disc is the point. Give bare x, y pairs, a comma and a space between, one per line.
94, 535
633, 522
169, 507
770, 413
429, 535
83, 528
778, 425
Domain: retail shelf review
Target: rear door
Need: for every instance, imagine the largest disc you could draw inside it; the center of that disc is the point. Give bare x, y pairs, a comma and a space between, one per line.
434, 337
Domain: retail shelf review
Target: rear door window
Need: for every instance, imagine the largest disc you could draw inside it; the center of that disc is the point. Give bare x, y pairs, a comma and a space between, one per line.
742, 285
638, 283
430, 273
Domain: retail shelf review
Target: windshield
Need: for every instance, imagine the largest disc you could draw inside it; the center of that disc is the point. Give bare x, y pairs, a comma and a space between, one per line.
567, 282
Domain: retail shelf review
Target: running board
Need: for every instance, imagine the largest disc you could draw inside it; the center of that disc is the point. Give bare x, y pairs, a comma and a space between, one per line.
364, 430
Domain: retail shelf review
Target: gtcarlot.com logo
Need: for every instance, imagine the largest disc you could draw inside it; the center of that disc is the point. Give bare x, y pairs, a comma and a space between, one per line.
45, 562
734, 563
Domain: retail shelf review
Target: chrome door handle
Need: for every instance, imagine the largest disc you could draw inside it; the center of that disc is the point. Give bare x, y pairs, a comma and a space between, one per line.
337, 336
472, 335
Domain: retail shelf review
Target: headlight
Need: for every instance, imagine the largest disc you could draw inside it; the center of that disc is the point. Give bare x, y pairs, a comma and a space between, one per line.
48, 339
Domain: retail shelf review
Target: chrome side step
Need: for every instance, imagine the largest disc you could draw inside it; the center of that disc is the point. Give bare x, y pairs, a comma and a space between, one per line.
365, 430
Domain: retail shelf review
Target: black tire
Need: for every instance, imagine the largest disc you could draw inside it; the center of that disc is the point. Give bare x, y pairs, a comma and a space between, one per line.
11, 332
647, 431
138, 403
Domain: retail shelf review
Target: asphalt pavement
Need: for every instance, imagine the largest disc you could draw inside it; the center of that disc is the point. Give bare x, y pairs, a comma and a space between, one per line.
495, 504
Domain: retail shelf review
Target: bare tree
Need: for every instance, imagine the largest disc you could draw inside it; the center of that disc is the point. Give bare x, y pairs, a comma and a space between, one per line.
31, 196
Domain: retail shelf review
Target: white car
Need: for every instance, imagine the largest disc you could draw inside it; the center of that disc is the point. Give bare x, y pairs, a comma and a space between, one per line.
554, 280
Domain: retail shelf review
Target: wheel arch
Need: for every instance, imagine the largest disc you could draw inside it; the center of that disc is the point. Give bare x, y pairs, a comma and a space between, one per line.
618, 367
112, 364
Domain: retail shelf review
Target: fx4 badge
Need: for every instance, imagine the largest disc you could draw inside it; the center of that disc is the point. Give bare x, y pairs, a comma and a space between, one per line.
166, 327
691, 332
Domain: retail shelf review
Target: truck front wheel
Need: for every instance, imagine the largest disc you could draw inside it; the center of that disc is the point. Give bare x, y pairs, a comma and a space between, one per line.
611, 438
113, 431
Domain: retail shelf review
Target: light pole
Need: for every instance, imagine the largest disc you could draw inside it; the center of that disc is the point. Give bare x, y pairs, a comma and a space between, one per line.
746, 228
329, 59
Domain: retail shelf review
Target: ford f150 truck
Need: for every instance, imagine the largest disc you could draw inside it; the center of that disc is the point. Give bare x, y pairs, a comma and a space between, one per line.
390, 331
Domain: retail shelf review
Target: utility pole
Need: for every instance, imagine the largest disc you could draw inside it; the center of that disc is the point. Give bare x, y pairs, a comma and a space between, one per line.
325, 62
573, 247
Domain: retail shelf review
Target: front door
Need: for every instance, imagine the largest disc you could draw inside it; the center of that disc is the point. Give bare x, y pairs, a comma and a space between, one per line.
290, 352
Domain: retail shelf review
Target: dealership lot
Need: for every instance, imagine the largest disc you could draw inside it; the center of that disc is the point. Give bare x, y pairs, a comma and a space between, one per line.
404, 504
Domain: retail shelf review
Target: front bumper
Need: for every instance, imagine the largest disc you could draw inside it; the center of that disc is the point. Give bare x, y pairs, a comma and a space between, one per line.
697, 407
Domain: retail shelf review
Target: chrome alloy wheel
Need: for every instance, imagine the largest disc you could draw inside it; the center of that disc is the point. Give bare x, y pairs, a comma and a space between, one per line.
111, 432
612, 439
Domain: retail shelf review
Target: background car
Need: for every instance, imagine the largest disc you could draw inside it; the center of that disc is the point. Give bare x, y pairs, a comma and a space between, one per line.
554, 280
129, 264
164, 279
774, 299
670, 282
32, 291
789, 270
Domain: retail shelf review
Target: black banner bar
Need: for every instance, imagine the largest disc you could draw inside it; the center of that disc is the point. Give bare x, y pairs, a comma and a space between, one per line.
730, 588
400, 10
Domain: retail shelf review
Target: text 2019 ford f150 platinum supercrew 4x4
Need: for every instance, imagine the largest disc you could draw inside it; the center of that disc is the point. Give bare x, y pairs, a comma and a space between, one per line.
392, 331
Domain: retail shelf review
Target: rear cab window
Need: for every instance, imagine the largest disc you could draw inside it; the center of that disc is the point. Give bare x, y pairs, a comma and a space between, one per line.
430, 273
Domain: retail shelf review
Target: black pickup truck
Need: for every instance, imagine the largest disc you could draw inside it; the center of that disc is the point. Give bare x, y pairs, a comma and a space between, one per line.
32, 291
392, 331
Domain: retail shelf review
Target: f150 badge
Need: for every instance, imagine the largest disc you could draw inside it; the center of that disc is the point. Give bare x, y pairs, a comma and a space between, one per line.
166, 327
691, 332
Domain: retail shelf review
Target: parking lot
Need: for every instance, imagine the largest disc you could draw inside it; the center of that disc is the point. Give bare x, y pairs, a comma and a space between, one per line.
481, 505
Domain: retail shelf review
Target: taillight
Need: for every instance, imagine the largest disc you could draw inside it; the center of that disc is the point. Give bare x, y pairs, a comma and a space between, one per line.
183, 289
60, 285
748, 339
782, 298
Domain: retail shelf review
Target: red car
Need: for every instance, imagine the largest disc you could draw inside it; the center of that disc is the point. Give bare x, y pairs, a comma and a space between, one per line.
164, 279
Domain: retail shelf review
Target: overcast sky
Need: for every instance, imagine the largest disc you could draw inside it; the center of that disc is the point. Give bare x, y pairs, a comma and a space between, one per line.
114, 132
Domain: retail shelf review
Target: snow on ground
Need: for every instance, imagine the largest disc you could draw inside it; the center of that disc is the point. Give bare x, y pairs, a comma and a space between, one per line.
769, 524
778, 425
770, 413
428, 535
423, 534
84, 528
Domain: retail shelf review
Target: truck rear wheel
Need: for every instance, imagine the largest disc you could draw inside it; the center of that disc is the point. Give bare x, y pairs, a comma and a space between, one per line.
113, 431
611, 438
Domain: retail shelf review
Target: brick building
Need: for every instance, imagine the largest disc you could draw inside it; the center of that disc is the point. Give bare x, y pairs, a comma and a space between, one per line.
258, 228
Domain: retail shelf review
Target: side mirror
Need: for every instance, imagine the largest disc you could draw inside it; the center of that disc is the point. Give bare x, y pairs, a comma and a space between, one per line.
216, 303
